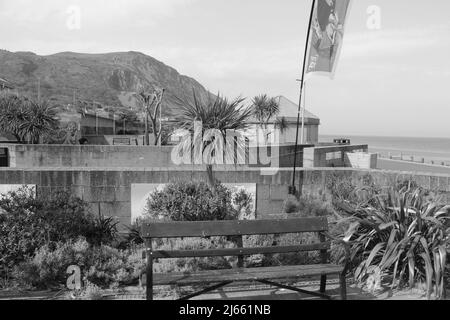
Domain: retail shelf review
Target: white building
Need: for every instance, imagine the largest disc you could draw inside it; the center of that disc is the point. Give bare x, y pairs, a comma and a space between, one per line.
288, 110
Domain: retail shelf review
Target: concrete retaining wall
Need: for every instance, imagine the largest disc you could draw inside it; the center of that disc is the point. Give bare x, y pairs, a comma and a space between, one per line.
67, 156
109, 191
108, 156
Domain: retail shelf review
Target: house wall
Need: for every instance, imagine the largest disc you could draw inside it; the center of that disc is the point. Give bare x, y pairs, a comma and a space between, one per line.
311, 134
289, 135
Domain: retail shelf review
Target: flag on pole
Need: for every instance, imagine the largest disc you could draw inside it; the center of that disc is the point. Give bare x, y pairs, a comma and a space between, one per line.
327, 34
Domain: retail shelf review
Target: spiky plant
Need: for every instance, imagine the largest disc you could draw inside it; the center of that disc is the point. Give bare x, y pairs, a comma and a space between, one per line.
402, 236
264, 109
217, 116
13, 113
40, 120
282, 124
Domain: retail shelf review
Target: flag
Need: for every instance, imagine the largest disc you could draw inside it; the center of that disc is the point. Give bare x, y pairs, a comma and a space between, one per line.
326, 35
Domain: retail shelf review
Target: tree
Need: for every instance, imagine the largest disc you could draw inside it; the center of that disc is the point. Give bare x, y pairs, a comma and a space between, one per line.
264, 109
152, 101
127, 116
12, 115
40, 121
282, 124
27, 120
217, 116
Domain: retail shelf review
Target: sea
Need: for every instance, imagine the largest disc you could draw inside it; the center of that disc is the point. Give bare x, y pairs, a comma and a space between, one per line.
436, 150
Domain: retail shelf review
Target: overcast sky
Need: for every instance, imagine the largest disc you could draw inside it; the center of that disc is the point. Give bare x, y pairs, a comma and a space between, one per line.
394, 81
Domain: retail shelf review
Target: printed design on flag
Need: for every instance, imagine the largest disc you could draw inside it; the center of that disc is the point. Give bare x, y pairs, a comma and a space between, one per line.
327, 32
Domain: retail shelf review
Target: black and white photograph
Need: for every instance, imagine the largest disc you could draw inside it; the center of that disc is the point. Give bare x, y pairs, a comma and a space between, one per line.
234, 155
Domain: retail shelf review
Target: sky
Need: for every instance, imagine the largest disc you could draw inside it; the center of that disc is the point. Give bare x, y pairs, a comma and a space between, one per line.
393, 77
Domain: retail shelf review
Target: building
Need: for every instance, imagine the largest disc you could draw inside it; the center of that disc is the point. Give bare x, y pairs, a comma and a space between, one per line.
5, 85
289, 110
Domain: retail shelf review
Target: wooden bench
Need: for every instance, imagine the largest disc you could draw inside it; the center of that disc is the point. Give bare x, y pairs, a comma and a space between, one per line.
266, 275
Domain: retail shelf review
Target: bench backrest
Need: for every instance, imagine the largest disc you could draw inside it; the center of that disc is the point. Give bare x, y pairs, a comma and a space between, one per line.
235, 228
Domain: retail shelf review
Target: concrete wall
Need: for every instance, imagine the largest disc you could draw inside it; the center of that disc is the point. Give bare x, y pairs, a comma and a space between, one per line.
107, 156
360, 160
67, 156
330, 156
109, 191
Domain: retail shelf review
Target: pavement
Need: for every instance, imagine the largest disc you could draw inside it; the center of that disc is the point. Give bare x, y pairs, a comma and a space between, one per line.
241, 292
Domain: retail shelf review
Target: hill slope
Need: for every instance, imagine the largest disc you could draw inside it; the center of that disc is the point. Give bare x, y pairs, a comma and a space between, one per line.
109, 79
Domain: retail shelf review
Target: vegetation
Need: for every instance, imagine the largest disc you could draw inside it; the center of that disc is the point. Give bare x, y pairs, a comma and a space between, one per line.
152, 102
218, 117
265, 109
191, 201
102, 266
27, 120
28, 222
401, 235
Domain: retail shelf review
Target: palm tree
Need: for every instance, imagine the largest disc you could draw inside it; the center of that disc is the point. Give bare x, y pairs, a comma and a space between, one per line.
27, 120
12, 115
282, 124
218, 116
40, 121
264, 109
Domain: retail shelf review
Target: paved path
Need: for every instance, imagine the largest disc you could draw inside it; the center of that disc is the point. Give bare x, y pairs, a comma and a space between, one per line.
397, 165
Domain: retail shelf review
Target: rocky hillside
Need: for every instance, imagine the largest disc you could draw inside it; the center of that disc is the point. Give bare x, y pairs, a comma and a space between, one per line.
108, 79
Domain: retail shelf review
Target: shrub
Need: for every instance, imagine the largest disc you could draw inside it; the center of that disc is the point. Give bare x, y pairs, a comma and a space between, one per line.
191, 201
194, 264
102, 230
243, 204
91, 292
27, 223
402, 236
102, 266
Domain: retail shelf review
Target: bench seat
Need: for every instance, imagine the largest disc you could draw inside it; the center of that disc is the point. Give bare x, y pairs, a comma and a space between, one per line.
246, 274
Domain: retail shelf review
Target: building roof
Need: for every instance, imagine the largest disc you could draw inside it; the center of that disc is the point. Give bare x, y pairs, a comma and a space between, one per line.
5, 84
289, 110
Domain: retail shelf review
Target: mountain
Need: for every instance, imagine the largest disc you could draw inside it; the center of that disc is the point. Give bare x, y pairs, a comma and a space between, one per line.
109, 79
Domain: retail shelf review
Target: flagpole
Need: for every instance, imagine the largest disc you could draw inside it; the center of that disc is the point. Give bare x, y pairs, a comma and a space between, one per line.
303, 114
293, 190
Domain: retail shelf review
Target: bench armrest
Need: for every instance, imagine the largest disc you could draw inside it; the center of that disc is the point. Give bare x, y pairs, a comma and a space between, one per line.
345, 244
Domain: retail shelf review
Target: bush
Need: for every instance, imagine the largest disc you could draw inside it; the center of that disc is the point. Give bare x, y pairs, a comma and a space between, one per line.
194, 264
401, 236
191, 201
27, 223
102, 266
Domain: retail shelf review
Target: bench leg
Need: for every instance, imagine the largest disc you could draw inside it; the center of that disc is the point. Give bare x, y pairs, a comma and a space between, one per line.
323, 283
343, 285
149, 272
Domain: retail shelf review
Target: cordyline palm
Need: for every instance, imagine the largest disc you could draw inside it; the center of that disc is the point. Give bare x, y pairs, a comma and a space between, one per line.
13, 113
264, 109
40, 121
218, 116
